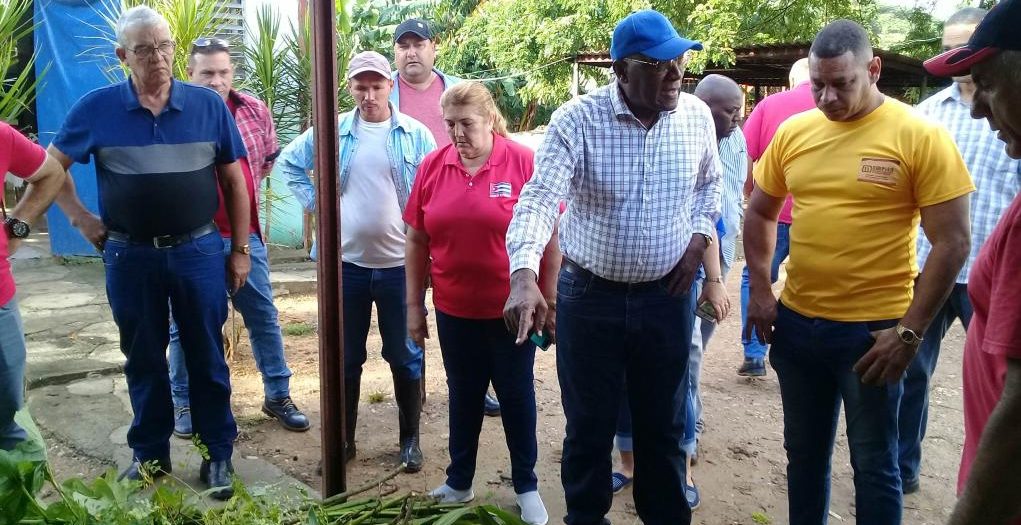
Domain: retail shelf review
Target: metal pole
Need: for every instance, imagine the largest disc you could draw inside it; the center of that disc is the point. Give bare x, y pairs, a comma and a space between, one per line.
331, 329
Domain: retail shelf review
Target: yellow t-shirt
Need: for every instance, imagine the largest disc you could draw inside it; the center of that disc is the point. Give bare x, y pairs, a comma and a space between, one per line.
857, 189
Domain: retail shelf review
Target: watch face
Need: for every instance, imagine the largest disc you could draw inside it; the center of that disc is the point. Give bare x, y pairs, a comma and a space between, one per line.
18, 228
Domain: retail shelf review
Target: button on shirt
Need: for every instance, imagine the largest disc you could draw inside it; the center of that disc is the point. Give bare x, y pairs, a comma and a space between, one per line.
997, 176
635, 196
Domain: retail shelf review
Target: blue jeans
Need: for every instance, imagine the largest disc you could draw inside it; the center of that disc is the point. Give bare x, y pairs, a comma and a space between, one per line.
385, 287
813, 359
754, 348
606, 331
255, 302
140, 280
475, 352
12, 374
914, 407
701, 333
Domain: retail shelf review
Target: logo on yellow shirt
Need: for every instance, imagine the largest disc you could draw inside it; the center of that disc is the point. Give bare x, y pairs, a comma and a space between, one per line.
879, 171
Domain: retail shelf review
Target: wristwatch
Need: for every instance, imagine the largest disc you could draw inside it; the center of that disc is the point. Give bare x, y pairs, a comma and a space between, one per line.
908, 336
243, 249
714, 280
16, 228
708, 239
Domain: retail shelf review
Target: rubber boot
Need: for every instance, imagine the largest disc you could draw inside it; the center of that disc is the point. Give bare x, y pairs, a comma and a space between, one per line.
352, 389
409, 411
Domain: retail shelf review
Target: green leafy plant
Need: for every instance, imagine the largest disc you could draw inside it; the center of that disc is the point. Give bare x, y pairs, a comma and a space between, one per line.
17, 88
298, 329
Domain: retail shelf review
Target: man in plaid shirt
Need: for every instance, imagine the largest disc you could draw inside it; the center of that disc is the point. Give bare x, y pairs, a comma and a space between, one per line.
637, 163
997, 178
210, 65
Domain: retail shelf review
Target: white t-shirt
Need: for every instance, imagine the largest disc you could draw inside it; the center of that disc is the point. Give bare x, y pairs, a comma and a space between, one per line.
371, 223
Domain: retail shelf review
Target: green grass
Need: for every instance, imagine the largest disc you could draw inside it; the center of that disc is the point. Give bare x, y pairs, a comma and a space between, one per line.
761, 518
298, 329
377, 397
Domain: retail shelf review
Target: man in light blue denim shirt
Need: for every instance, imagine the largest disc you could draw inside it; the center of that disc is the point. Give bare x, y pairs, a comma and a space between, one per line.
380, 150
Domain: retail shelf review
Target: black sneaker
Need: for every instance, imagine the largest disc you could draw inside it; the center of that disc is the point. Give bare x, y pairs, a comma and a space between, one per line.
755, 367
286, 413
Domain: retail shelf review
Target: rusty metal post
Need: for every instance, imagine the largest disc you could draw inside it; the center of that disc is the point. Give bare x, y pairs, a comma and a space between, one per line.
331, 328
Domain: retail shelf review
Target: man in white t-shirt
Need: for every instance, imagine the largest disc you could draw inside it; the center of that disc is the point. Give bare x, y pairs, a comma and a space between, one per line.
373, 193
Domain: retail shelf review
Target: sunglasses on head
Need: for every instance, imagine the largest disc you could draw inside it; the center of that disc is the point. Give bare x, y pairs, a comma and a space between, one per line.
210, 43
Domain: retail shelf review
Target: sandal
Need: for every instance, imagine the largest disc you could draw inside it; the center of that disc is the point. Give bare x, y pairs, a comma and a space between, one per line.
619, 482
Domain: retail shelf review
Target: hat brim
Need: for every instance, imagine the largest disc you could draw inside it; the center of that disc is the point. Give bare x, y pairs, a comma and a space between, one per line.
958, 61
420, 34
672, 48
367, 69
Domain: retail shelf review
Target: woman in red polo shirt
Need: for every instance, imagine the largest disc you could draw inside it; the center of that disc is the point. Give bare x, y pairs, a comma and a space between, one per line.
460, 207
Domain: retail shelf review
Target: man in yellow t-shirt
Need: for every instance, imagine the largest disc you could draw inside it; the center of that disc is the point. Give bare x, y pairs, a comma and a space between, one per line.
863, 170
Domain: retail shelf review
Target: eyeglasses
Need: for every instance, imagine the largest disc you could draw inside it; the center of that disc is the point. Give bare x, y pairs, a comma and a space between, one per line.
210, 42
144, 52
662, 66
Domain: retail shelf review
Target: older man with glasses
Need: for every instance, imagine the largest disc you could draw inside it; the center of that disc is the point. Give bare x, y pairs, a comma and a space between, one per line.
163, 151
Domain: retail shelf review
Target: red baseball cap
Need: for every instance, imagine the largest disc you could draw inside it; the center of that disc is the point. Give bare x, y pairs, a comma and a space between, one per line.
997, 32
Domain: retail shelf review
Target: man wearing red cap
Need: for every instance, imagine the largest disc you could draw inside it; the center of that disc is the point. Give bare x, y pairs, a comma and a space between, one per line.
990, 475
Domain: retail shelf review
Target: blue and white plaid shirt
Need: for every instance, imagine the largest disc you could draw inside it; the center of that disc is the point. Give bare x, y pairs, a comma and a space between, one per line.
997, 177
734, 158
634, 196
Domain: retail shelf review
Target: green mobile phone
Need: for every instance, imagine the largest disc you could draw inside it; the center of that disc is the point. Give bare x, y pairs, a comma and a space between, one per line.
542, 341
706, 311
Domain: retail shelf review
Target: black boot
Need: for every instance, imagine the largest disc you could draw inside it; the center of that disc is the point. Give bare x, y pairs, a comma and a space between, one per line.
409, 410
352, 389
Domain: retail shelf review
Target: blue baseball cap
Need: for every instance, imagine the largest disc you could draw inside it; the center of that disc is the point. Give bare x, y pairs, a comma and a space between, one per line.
650, 33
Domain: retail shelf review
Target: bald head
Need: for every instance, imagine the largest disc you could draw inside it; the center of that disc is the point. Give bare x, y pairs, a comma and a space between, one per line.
725, 100
799, 73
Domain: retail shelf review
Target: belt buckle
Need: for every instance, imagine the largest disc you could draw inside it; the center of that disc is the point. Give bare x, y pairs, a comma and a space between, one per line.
157, 242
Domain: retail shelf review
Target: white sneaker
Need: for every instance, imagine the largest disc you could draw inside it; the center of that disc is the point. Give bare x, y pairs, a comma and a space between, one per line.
533, 512
445, 494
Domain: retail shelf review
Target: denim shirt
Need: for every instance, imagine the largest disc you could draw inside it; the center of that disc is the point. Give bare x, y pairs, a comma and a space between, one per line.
395, 95
408, 143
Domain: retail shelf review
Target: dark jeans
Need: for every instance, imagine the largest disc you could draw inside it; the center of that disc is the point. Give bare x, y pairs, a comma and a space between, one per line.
606, 331
475, 352
385, 287
813, 359
914, 407
140, 279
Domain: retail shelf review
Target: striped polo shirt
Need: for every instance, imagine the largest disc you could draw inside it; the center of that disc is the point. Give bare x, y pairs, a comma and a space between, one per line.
156, 174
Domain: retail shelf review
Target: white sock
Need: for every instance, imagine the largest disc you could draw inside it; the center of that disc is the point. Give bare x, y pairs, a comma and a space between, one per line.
448, 495
533, 512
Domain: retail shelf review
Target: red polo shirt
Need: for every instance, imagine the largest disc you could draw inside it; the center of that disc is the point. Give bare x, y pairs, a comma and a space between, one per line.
466, 218
22, 158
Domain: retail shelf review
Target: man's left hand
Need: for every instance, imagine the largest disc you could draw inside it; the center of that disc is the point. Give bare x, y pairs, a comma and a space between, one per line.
680, 278
887, 360
238, 266
12, 245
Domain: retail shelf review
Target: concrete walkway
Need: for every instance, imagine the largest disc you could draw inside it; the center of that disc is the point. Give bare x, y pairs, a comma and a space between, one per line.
77, 392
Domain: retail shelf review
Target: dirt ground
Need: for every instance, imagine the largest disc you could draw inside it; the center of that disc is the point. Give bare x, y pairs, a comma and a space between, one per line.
742, 470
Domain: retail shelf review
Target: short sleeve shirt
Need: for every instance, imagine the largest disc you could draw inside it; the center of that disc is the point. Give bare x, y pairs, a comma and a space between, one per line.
466, 218
22, 158
155, 174
858, 187
994, 334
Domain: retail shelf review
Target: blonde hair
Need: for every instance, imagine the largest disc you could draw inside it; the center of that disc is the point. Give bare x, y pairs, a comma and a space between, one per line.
475, 95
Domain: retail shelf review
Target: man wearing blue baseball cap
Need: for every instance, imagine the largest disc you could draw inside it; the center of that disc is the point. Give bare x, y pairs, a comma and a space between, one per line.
990, 475
636, 161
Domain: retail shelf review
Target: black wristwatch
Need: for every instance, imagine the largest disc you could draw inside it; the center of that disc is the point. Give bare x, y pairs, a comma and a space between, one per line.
16, 228
908, 336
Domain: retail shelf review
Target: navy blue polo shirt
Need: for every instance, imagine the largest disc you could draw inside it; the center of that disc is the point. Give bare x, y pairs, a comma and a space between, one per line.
156, 174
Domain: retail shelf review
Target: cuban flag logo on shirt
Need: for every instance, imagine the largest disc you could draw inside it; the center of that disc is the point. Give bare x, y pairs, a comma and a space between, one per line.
499, 189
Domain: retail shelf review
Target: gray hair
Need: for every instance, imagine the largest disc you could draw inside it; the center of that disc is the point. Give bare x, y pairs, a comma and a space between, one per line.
138, 16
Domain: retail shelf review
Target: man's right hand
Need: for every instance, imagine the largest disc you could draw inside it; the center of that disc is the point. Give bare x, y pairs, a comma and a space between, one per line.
761, 315
93, 229
526, 310
418, 329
